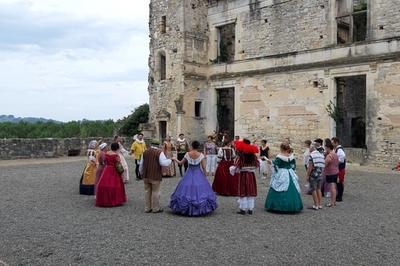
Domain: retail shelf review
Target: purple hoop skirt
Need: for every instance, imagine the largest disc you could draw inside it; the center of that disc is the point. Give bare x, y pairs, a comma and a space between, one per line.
193, 196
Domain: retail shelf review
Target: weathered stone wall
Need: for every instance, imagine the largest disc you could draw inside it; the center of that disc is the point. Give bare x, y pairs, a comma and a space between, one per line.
281, 106
385, 18
46, 148
196, 31
195, 90
284, 27
384, 115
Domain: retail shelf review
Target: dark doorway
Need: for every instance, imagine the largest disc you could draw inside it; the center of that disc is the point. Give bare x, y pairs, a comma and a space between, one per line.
163, 130
226, 111
351, 108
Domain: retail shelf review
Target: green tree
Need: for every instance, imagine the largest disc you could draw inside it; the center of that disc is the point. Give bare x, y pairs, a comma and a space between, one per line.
130, 125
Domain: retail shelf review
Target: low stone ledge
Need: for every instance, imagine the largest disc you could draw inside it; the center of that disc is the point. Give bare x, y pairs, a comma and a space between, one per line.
11, 149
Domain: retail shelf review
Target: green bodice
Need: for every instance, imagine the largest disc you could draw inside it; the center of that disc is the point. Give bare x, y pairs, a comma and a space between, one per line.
279, 163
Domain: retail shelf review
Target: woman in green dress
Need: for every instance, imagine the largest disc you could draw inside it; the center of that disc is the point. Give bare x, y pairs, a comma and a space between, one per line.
284, 193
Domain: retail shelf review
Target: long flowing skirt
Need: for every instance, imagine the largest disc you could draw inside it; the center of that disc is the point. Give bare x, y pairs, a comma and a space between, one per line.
110, 191
99, 172
170, 170
193, 195
88, 180
286, 201
224, 183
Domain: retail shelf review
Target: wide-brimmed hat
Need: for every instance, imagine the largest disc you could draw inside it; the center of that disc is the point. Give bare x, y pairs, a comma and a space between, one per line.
242, 146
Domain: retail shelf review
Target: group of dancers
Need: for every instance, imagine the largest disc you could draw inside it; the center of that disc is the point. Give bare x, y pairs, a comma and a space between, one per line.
234, 165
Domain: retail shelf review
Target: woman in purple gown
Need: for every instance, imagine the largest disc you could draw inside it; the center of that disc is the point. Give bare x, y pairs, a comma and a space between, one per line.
193, 195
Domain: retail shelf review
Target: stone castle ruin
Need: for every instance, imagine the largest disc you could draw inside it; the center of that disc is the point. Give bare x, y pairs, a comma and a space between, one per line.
275, 69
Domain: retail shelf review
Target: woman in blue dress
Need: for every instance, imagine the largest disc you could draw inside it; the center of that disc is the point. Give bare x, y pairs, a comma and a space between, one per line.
193, 195
284, 193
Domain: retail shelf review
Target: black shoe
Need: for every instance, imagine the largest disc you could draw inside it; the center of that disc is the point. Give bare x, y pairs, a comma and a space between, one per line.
339, 200
242, 212
250, 212
149, 211
160, 210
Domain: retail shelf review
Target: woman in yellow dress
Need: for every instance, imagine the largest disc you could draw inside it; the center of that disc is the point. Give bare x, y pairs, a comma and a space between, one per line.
88, 179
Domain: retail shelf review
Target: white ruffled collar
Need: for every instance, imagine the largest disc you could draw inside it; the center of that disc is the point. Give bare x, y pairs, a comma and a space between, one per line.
140, 141
285, 158
181, 140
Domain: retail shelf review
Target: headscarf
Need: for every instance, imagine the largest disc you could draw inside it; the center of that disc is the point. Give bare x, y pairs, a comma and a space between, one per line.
102, 146
92, 144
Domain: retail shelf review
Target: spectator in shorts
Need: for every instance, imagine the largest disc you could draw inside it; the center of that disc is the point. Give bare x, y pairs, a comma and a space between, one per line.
316, 165
324, 186
331, 170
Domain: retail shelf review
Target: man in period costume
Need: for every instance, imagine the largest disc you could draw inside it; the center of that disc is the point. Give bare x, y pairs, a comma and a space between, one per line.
150, 168
182, 147
137, 149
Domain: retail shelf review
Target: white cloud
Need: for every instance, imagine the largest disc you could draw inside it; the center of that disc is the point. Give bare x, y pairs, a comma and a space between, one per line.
74, 59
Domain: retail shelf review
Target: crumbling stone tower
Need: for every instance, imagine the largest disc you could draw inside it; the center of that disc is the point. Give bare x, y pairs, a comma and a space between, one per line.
178, 34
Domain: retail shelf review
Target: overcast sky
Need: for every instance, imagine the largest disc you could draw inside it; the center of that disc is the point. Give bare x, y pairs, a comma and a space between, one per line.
73, 59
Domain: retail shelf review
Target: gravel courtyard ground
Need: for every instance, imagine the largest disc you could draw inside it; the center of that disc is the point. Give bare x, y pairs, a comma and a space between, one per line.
44, 221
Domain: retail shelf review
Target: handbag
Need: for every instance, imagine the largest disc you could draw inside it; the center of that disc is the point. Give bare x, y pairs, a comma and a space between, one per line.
119, 168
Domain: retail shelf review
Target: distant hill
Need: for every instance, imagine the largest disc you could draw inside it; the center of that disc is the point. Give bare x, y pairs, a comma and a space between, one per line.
33, 120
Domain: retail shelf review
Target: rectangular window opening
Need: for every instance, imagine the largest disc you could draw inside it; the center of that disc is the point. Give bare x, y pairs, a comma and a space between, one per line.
163, 24
226, 43
360, 26
163, 67
352, 21
197, 109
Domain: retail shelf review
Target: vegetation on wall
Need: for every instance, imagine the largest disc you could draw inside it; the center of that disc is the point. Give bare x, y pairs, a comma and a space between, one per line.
333, 111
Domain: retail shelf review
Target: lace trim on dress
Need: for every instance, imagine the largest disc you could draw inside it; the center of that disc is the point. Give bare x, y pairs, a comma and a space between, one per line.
194, 161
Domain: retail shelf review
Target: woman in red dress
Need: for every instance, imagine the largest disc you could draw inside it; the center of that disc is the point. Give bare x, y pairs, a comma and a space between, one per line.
110, 190
224, 183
